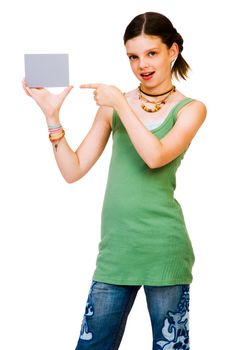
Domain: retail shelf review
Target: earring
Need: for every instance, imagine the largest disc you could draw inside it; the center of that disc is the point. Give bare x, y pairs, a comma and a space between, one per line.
172, 62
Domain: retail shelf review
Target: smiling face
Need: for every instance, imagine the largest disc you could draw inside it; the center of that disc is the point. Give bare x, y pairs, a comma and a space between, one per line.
150, 60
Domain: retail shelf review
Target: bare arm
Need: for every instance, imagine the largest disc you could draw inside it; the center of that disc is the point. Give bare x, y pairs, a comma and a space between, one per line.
74, 165
153, 151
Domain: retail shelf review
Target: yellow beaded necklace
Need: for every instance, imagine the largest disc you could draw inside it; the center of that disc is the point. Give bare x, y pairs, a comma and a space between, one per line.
157, 104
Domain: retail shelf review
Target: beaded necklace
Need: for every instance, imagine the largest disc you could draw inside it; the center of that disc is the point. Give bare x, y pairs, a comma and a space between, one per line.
157, 104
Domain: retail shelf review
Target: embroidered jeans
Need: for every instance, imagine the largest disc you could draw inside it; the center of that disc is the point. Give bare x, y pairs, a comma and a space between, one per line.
108, 307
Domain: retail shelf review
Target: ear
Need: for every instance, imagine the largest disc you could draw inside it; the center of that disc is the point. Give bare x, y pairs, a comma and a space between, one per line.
174, 51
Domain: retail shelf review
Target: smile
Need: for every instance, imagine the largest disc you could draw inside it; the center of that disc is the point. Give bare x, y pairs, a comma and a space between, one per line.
147, 75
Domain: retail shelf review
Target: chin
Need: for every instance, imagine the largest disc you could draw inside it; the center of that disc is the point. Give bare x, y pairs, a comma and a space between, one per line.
150, 84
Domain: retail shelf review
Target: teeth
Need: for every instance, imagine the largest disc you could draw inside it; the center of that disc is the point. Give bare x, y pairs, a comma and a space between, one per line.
146, 74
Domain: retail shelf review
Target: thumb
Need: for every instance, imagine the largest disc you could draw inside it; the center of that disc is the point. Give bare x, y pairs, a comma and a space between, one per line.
66, 91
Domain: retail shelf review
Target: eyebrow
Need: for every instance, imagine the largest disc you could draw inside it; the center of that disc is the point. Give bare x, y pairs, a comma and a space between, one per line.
152, 49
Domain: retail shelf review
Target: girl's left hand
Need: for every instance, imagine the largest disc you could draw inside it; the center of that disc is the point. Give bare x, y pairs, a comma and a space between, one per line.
105, 95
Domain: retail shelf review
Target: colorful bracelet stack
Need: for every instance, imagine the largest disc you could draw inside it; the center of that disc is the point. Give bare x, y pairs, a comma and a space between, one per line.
56, 133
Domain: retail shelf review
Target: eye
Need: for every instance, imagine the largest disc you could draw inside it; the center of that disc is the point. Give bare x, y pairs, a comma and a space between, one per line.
152, 53
132, 57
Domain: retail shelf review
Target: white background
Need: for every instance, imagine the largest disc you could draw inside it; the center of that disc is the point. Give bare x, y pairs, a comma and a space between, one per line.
50, 229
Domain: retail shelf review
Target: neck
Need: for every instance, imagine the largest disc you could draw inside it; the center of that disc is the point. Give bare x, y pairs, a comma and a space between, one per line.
157, 90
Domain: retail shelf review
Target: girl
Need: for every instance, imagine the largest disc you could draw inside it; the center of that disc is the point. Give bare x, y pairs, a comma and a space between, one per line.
144, 240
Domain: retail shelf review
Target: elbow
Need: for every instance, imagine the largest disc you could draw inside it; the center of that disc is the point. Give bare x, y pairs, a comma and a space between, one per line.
154, 166
154, 158
72, 175
154, 163
71, 179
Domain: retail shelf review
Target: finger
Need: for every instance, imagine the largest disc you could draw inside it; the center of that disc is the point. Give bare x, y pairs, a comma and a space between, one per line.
66, 91
26, 88
24, 81
29, 91
24, 85
89, 86
33, 92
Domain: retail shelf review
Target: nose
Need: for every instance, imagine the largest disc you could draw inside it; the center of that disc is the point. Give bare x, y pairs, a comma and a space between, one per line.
143, 63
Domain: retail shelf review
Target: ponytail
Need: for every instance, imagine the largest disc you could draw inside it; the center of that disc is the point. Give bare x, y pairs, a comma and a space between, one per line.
156, 24
180, 68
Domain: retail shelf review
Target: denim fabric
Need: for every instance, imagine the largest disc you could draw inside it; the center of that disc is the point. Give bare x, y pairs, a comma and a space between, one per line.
108, 307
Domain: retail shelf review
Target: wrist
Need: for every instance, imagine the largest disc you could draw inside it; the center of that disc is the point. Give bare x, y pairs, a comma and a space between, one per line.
53, 120
56, 133
120, 103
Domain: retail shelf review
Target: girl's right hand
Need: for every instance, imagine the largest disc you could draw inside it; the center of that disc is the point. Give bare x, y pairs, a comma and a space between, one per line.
49, 103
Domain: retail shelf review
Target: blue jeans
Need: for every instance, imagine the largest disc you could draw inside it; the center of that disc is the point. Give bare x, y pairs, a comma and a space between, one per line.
108, 307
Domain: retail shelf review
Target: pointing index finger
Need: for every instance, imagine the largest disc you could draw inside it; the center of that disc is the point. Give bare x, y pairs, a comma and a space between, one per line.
89, 86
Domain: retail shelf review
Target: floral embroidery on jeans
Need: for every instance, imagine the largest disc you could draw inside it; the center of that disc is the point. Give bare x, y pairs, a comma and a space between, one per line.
85, 334
175, 329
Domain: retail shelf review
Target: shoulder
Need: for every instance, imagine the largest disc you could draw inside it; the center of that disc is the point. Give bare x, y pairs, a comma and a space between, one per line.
190, 118
193, 109
194, 105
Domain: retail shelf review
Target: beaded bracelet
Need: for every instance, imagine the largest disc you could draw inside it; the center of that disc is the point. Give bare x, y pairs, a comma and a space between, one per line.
54, 137
54, 128
57, 140
56, 133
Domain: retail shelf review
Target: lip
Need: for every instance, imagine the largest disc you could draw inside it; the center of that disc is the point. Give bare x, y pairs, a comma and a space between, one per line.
147, 77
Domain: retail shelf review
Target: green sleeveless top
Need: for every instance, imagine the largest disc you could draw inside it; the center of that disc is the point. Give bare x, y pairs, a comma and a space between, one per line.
144, 239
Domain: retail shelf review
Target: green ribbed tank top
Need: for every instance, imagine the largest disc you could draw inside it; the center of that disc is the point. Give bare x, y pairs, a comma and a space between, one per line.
144, 239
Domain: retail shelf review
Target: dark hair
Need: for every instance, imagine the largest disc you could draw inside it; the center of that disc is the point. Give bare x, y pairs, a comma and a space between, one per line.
156, 24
